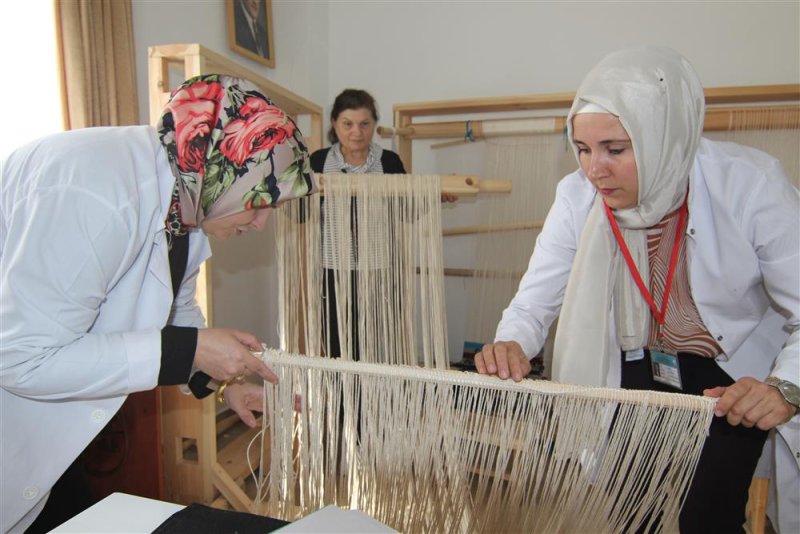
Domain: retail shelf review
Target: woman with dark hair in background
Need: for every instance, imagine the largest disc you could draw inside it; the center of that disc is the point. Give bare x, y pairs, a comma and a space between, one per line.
353, 120
354, 117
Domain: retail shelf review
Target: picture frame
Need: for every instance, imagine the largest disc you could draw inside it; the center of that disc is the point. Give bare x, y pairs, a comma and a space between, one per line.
250, 30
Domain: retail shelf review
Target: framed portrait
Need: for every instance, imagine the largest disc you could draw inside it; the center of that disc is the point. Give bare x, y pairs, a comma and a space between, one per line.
250, 29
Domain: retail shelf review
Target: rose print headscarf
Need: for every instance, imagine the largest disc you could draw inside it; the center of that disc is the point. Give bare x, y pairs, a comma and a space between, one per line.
231, 149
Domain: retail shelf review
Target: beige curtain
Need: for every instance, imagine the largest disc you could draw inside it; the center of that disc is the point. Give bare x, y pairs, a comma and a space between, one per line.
95, 47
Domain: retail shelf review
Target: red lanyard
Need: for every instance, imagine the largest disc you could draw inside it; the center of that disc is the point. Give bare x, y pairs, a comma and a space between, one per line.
660, 315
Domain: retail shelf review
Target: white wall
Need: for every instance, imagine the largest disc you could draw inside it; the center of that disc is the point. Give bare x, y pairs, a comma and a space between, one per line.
300, 38
417, 51
409, 51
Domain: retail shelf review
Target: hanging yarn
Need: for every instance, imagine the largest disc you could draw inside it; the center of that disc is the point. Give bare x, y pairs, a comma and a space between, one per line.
758, 128
381, 238
429, 450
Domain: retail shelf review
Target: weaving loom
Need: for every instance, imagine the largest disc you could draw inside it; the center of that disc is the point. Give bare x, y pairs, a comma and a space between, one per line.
532, 152
431, 450
426, 450
458, 452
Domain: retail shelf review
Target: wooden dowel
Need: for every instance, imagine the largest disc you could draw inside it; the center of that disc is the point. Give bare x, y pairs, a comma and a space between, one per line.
465, 185
485, 128
714, 95
387, 132
475, 273
752, 93
458, 184
757, 505
494, 186
457, 142
468, 230
456, 378
716, 119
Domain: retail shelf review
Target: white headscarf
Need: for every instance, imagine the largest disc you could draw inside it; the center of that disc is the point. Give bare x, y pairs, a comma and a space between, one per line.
658, 98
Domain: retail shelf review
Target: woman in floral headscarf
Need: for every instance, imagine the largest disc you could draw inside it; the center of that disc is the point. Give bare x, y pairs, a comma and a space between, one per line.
672, 262
102, 233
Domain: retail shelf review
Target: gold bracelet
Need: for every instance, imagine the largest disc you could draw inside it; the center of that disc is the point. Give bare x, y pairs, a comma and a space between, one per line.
221, 389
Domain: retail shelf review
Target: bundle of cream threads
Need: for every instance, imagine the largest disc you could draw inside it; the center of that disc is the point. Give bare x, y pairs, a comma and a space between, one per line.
381, 237
428, 450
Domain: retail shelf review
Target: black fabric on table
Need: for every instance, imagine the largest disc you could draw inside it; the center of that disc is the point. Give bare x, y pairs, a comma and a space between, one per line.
202, 519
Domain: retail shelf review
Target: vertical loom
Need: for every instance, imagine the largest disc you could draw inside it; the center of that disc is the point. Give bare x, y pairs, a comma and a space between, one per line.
766, 117
532, 152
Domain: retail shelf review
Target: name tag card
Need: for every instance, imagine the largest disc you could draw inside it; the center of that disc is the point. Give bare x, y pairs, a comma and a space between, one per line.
666, 369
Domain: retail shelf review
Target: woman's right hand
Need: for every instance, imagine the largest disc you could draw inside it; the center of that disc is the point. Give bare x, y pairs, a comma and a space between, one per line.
504, 359
244, 399
225, 353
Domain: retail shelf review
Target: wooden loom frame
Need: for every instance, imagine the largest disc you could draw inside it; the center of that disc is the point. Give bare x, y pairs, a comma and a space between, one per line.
187, 423
717, 118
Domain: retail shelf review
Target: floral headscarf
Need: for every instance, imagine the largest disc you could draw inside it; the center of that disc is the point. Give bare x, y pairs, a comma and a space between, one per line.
231, 149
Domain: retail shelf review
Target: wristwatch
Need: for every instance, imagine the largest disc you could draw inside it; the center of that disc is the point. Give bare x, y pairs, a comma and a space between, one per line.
789, 390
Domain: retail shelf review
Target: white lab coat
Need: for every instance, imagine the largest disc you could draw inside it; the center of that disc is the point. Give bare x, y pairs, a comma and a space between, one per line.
742, 247
86, 289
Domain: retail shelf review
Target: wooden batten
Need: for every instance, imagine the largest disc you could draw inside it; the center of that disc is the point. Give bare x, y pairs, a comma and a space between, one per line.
485, 229
472, 185
750, 94
487, 104
714, 95
459, 184
716, 119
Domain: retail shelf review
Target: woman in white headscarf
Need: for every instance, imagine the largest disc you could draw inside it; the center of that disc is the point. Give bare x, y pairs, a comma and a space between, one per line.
102, 233
673, 261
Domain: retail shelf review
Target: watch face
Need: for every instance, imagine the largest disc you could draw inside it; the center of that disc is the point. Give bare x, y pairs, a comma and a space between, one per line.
791, 393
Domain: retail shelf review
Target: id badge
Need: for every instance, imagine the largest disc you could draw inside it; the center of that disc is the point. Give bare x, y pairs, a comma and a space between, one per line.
634, 355
666, 369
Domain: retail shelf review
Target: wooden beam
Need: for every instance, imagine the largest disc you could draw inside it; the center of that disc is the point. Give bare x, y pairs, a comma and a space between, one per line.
480, 105
486, 229
714, 95
716, 119
231, 490
475, 273
290, 102
404, 147
748, 94
456, 184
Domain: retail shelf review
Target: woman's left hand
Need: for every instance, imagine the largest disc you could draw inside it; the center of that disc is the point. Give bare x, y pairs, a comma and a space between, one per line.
751, 403
449, 197
244, 398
